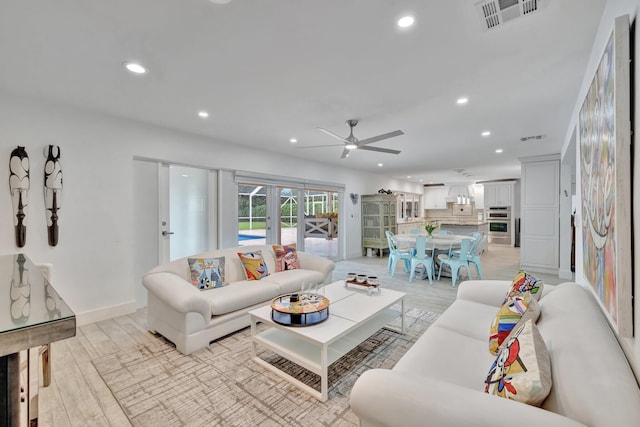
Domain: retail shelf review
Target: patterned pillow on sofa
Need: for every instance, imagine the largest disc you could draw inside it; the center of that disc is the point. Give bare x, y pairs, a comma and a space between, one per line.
522, 370
513, 314
207, 273
254, 266
522, 283
286, 257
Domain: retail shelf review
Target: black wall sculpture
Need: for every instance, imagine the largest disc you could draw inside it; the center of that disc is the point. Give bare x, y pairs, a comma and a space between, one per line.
19, 186
52, 190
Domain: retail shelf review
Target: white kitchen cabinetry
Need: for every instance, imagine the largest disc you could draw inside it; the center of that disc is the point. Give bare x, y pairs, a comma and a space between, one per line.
498, 194
435, 197
540, 210
478, 196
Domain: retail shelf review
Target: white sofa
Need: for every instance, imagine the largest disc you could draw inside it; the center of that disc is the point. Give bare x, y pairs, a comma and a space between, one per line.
439, 381
192, 319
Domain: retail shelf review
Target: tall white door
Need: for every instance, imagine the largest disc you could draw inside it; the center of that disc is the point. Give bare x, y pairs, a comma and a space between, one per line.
185, 226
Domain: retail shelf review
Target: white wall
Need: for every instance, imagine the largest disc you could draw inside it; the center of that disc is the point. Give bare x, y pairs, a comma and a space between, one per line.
613, 9
94, 262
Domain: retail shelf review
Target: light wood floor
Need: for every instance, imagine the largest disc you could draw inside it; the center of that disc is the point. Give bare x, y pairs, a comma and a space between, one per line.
77, 395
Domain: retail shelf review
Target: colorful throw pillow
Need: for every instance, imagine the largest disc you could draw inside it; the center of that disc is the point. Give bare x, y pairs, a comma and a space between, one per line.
254, 266
522, 370
513, 314
286, 257
524, 282
207, 273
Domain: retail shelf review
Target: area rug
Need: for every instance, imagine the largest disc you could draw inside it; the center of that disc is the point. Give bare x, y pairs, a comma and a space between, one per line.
220, 385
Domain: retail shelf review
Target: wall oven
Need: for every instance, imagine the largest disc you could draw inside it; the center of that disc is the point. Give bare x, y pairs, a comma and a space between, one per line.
499, 220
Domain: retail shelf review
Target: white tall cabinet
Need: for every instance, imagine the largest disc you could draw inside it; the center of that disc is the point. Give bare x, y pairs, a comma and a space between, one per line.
540, 210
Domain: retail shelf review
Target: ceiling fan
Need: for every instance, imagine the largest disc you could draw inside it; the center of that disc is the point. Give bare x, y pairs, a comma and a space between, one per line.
352, 143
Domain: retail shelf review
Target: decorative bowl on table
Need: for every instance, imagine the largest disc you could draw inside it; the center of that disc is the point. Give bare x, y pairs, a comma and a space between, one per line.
299, 309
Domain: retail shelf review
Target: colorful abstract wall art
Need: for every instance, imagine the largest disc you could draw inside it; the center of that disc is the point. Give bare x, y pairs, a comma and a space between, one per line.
605, 181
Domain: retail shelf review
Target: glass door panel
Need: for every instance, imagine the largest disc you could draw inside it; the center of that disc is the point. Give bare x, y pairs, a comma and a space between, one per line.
288, 214
252, 214
321, 223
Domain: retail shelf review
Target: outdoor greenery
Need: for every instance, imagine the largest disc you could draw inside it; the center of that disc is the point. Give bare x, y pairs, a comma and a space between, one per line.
252, 206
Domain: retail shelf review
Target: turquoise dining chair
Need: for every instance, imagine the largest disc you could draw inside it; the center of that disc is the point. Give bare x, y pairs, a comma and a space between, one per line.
441, 231
472, 250
414, 231
456, 262
422, 256
474, 257
396, 255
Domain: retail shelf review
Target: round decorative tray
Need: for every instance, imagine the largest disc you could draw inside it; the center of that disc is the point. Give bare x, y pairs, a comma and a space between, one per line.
299, 309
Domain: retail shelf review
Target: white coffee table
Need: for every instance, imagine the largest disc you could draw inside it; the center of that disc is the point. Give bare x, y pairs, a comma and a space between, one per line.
353, 317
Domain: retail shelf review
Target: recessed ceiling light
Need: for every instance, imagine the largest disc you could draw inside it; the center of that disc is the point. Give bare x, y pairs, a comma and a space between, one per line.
293, 140
486, 133
406, 21
135, 68
499, 150
203, 114
380, 165
421, 180
408, 176
184, 175
462, 100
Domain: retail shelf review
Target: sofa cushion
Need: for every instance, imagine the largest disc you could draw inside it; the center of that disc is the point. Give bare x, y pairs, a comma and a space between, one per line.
239, 295
512, 315
468, 318
207, 273
255, 268
522, 283
522, 370
292, 280
448, 356
286, 257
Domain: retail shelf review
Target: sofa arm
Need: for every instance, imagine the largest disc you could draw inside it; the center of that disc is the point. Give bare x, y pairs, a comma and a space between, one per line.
382, 397
490, 292
177, 293
317, 263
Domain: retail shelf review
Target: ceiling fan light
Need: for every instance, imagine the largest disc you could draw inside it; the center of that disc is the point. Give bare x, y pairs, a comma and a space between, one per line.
351, 146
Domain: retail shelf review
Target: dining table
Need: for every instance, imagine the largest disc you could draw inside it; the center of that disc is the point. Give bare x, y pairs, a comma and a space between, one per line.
442, 243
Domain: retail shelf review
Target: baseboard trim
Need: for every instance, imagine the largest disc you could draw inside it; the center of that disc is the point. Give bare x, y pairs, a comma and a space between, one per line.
565, 274
105, 313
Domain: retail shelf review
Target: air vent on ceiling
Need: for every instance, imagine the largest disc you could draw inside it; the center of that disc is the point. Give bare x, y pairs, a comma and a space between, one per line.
532, 138
494, 13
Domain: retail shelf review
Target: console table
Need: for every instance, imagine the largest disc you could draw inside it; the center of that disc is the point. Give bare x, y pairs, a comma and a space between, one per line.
32, 315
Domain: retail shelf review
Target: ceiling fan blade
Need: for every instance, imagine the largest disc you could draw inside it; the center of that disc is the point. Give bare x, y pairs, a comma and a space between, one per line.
345, 153
382, 150
380, 137
328, 132
318, 146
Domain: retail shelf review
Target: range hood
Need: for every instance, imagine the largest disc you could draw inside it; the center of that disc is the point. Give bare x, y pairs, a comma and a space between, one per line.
462, 190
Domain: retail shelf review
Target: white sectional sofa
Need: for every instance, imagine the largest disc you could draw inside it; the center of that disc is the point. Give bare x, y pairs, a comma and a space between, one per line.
192, 319
439, 381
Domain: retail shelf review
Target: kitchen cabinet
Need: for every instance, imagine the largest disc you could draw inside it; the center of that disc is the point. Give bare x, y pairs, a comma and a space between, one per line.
478, 196
435, 197
378, 216
498, 194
